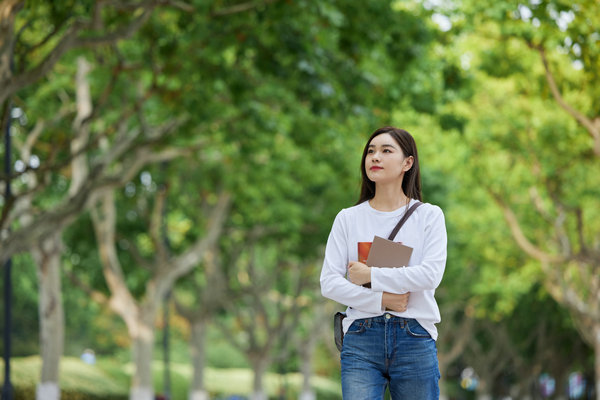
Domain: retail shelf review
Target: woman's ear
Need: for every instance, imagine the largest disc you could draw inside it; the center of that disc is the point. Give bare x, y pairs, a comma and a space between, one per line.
408, 163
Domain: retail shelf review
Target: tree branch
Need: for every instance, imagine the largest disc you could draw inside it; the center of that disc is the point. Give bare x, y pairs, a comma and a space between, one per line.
8, 11
177, 4
580, 235
454, 336
586, 122
182, 264
520, 237
70, 40
215, 290
63, 214
28, 49
155, 229
186, 312
79, 164
228, 334
134, 251
564, 294
104, 218
239, 8
538, 203
95, 295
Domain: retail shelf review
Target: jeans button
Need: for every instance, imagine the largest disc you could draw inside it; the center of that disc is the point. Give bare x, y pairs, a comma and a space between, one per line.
388, 316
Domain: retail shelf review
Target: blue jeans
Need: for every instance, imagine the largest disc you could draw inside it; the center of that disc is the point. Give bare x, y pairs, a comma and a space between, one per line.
389, 350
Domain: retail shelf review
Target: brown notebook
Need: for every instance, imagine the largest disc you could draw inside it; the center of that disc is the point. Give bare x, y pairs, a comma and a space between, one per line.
385, 253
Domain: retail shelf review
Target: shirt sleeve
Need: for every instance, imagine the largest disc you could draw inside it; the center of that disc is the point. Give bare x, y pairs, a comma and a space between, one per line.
334, 284
424, 276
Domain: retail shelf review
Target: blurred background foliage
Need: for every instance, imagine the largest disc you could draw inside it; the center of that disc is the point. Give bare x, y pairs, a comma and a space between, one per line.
275, 100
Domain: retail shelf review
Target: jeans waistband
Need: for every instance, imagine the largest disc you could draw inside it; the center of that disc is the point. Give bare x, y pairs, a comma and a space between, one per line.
388, 318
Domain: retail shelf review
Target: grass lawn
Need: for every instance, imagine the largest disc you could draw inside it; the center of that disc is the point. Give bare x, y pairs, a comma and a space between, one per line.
109, 379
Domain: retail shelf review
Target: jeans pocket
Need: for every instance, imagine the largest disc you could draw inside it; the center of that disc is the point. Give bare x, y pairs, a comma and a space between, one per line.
357, 327
415, 329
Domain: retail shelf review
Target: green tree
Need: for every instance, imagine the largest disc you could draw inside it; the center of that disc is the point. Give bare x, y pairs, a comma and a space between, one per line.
532, 137
56, 177
300, 97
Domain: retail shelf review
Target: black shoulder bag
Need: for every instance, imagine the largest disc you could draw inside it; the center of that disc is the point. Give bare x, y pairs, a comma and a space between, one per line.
338, 330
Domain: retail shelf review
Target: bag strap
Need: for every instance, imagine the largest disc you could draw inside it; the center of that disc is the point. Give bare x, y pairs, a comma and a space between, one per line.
403, 219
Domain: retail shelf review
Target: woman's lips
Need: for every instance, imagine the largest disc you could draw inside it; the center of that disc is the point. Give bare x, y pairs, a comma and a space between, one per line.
375, 168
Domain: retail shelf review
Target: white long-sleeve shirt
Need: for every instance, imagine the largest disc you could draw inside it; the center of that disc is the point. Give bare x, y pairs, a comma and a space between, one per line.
424, 231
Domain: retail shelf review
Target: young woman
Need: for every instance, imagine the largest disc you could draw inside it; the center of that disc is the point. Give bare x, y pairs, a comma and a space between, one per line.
390, 328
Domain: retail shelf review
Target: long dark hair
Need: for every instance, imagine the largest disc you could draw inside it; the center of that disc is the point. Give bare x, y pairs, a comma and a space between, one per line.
411, 184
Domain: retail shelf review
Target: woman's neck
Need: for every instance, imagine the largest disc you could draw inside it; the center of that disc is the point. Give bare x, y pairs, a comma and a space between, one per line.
388, 198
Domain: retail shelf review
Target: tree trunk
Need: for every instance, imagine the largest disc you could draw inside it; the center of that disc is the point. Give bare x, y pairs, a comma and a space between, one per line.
259, 365
561, 375
140, 317
197, 390
483, 389
597, 358
142, 348
8, 11
47, 257
442, 385
456, 333
306, 352
443, 367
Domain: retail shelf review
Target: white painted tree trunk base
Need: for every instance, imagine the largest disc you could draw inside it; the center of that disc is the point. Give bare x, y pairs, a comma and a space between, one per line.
141, 393
259, 396
199, 395
47, 391
307, 395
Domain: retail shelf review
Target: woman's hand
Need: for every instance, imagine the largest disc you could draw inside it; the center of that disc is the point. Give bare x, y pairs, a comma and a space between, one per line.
394, 302
359, 273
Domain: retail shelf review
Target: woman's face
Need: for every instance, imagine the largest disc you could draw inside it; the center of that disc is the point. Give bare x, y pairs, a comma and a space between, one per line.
385, 161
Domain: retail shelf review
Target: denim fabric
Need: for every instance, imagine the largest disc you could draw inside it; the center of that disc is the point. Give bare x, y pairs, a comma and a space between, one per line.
389, 350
